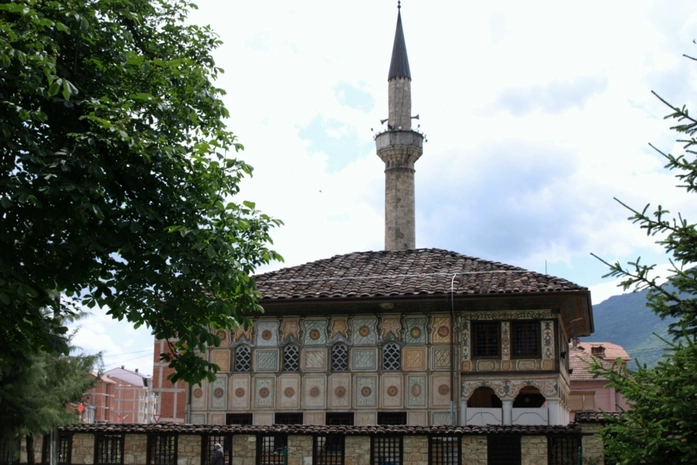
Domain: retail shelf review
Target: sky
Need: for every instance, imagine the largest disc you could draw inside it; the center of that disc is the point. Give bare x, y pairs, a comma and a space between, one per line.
537, 115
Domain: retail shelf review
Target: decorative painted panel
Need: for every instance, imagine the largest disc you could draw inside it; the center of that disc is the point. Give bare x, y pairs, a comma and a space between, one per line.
314, 392
290, 328
314, 418
510, 315
414, 358
289, 391
487, 365
416, 391
440, 390
224, 336
526, 365
391, 391
266, 360
199, 397
339, 327
508, 389
364, 359
465, 347
364, 331
390, 325
267, 333
315, 332
265, 419
547, 340
315, 359
441, 418
366, 418
340, 391
222, 359
218, 392
239, 395
417, 418
198, 418
441, 358
442, 328
264, 394
243, 334
506, 340
416, 330
366, 393
217, 419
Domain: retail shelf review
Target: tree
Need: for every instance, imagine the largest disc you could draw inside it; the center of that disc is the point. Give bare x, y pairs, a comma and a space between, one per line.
661, 424
116, 183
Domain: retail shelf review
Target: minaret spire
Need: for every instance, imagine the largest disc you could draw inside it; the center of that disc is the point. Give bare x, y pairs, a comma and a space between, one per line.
399, 147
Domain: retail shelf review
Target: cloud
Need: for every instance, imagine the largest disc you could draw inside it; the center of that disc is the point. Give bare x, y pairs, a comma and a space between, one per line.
554, 97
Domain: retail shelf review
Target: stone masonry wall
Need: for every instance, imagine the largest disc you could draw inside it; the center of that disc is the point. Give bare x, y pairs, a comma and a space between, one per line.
83, 449
244, 449
300, 450
357, 450
474, 450
189, 450
415, 450
533, 450
592, 444
135, 449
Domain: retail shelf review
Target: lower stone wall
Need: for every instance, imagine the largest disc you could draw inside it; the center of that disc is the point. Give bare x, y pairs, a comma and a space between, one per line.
533, 450
357, 446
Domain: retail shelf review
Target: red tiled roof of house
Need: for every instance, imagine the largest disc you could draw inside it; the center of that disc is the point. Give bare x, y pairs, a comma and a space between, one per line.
580, 362
418, 272
612, 351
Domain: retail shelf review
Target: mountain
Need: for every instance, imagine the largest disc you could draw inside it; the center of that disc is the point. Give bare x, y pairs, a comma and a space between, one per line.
626, 320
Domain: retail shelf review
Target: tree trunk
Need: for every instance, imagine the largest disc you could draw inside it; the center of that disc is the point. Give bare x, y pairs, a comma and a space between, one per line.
30, 449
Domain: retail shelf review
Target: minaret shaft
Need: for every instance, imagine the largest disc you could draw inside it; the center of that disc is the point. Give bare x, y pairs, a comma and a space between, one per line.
399, 147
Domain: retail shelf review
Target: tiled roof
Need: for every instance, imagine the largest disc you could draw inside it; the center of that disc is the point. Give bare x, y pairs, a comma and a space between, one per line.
315, 429
612, 351
580, 362
595, 417
418, 272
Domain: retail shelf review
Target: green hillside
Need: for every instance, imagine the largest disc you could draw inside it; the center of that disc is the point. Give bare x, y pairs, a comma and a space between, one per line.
626, 320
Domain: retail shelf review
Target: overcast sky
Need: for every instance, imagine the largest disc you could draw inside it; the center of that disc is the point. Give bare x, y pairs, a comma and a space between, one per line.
536, 113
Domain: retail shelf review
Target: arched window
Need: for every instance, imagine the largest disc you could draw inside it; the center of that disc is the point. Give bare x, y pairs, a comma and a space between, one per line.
291, 358
484, 397
340, 357
243, 359
391, 357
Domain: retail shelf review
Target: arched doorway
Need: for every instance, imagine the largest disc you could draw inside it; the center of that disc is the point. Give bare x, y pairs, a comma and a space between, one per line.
484, 397
529, 397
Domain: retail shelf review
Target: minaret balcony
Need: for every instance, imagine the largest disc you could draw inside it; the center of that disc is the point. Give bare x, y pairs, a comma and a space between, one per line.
396, 137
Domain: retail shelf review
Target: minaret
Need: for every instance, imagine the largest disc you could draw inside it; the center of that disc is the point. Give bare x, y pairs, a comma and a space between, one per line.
399, 147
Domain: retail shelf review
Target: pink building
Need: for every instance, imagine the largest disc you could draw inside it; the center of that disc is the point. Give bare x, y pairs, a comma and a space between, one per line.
589, 393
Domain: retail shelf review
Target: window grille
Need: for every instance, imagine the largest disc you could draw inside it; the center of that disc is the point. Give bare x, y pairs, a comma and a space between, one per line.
340, 357
563, 449
329, 449
208, 447
108, 449
485, 339
271, 449
444, 450
339, 418
243, 359
386, 450
64, 449
288, 419
291, 358
162, 449
392, 418
503, 449
239, 419
391, 359
525, 339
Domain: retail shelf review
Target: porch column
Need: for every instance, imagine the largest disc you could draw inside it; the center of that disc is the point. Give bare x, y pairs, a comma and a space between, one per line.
553, 414
507, 406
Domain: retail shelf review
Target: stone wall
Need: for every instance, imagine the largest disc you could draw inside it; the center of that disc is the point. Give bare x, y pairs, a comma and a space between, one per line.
357, 446
474, 450
533, 450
